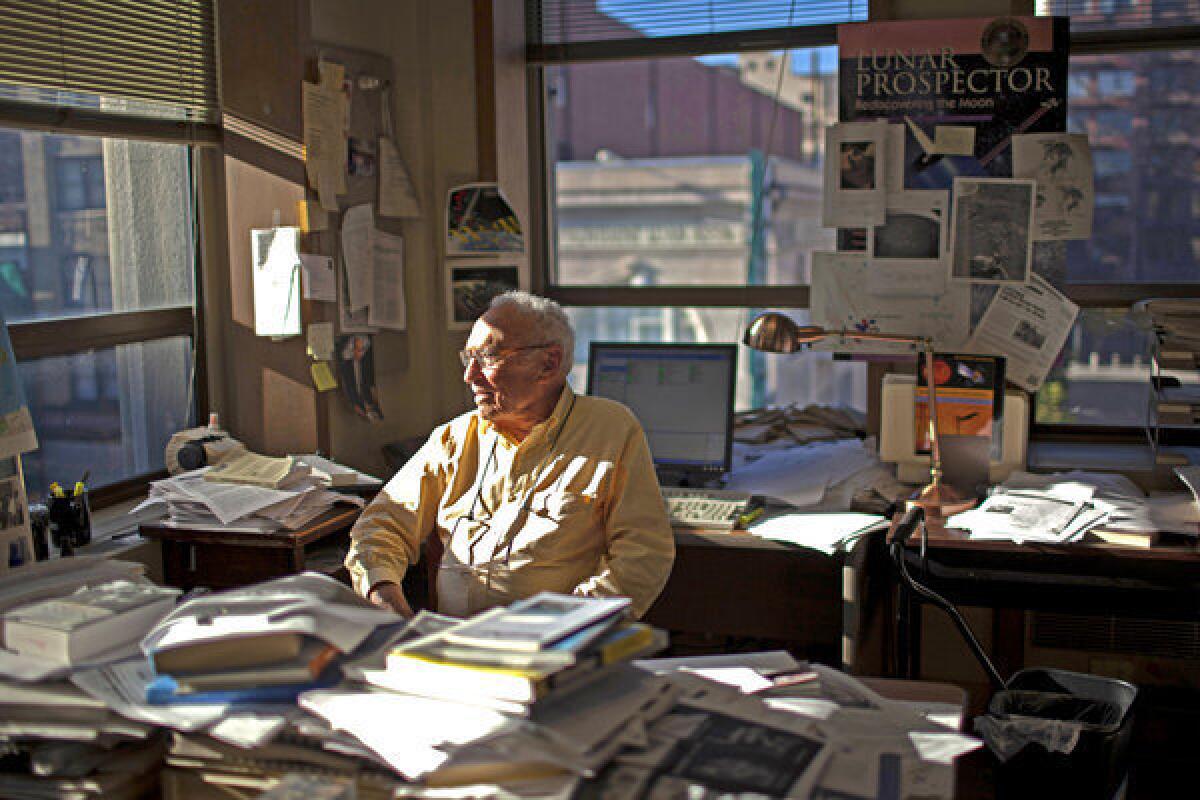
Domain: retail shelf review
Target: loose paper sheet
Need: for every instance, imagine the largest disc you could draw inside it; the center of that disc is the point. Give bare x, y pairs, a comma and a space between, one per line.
325, 108
276, 281
320, 279
386, 309
854, 192
1027, 325
1061, 163
838, 302
397, 197
357, 225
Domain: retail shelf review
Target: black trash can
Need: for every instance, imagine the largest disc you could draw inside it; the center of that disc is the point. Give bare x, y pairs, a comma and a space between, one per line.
1102, 708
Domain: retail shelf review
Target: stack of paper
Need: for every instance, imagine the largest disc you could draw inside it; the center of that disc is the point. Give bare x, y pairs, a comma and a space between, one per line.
191, 501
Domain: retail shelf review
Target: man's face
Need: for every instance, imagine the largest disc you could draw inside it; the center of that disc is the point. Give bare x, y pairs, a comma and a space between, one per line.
512, 378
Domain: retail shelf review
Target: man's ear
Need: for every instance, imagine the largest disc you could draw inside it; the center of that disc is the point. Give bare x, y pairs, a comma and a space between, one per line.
552, 364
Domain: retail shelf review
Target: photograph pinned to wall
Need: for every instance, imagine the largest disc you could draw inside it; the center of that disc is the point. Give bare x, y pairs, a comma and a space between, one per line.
855, 192
993, 226
276, 273
16, 425
480, 221
356, 374
1061, 164
472, 285
16, 538
361, 157
908, 250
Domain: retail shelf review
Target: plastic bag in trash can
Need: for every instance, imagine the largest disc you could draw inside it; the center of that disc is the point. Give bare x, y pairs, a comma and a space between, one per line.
1053, 720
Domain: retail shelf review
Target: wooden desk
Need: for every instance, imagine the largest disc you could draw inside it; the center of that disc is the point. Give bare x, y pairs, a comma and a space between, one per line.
225, 559
735, 585
1158, 583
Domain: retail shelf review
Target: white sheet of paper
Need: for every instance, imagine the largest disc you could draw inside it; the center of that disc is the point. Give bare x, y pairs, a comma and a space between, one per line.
320, 341
1027, 325
1061, 163
908, 252
386, 307
819, 531
122, 687
411, 750
276, 273
358, 225
838, 302
397, 197
854, 193
320, 280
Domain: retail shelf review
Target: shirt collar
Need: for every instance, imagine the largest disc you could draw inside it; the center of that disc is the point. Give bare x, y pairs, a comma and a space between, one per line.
545, 428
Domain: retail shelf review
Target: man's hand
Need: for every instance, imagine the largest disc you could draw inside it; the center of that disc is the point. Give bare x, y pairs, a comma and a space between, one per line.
390, 596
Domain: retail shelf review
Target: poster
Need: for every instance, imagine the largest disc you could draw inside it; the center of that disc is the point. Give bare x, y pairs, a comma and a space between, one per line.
472, 285
970, 397
479, 221
962, 88
356, 375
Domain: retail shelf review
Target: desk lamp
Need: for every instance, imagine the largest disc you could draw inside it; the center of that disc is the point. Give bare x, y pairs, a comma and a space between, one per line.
773, 332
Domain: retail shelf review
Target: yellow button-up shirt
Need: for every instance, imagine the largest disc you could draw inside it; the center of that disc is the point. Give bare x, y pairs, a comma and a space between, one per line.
573, 508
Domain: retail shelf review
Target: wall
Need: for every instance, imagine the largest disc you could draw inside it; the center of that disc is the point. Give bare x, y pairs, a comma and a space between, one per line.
261, 387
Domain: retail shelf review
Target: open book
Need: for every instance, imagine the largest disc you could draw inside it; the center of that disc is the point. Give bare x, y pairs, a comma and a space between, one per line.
258, 470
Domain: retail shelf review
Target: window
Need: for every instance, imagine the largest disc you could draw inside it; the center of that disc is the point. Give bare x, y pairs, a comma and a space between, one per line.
77, 247
658, 224
98, 230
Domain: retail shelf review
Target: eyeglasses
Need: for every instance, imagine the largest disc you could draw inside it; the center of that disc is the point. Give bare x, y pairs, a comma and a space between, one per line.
490, 359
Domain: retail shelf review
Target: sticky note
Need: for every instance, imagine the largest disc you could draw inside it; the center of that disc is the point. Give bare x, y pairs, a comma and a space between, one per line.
323, 377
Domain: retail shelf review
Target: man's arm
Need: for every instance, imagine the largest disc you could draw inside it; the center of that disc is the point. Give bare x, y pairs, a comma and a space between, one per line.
388, 534
640, 547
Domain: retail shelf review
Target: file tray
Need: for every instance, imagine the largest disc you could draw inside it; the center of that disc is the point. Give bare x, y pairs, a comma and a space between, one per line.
1099, 762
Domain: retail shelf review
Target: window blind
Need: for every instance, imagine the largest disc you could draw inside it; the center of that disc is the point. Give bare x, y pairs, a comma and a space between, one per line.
149, 59
562, 29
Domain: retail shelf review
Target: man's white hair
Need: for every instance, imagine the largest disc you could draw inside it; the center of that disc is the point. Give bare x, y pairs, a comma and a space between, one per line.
544, 315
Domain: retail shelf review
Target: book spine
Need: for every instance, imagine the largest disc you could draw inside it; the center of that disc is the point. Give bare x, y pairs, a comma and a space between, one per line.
37, 641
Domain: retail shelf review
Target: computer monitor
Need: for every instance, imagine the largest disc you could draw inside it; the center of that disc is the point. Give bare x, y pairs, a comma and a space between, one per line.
683, 396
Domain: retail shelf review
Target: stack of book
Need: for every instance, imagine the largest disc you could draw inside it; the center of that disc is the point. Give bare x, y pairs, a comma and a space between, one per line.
512, 658
60, 742
260, 668
88, 623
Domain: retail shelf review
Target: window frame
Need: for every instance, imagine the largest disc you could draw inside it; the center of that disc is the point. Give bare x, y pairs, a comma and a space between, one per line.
539, 57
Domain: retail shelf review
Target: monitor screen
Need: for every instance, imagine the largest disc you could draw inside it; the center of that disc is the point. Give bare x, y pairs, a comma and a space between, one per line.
681, 393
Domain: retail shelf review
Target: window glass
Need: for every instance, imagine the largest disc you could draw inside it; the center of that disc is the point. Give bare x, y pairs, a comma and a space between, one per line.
105, 412
1139, 111
687, 171
764, 379
90, 225
1103, 375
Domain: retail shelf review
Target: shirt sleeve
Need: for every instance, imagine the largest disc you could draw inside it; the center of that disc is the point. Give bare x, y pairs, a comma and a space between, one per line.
640, 546
388, 535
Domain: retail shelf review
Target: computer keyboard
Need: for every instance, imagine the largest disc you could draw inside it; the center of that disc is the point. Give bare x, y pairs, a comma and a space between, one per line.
704, 508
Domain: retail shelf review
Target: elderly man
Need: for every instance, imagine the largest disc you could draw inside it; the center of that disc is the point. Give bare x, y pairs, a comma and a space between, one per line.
536, 489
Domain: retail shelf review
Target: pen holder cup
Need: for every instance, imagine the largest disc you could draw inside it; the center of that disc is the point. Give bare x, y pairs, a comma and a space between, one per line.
1101, 708
70, 518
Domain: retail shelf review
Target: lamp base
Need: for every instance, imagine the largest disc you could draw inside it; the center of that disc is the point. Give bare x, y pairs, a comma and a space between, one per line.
941, 501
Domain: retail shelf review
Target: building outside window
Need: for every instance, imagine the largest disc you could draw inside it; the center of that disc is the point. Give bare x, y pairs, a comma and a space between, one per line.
675, 175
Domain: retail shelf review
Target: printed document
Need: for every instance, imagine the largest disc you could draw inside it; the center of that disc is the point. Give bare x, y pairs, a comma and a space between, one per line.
1028, 325
1061, 163
276, 281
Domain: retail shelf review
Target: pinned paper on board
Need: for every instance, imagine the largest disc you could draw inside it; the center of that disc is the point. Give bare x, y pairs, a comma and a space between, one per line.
855, 177
1061, 163
16, 425
276, 273
356, 375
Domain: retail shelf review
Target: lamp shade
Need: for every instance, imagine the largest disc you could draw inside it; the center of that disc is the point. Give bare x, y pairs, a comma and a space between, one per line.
773, 332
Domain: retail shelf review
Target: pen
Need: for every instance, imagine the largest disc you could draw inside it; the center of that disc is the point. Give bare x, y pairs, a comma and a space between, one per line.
750, 516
